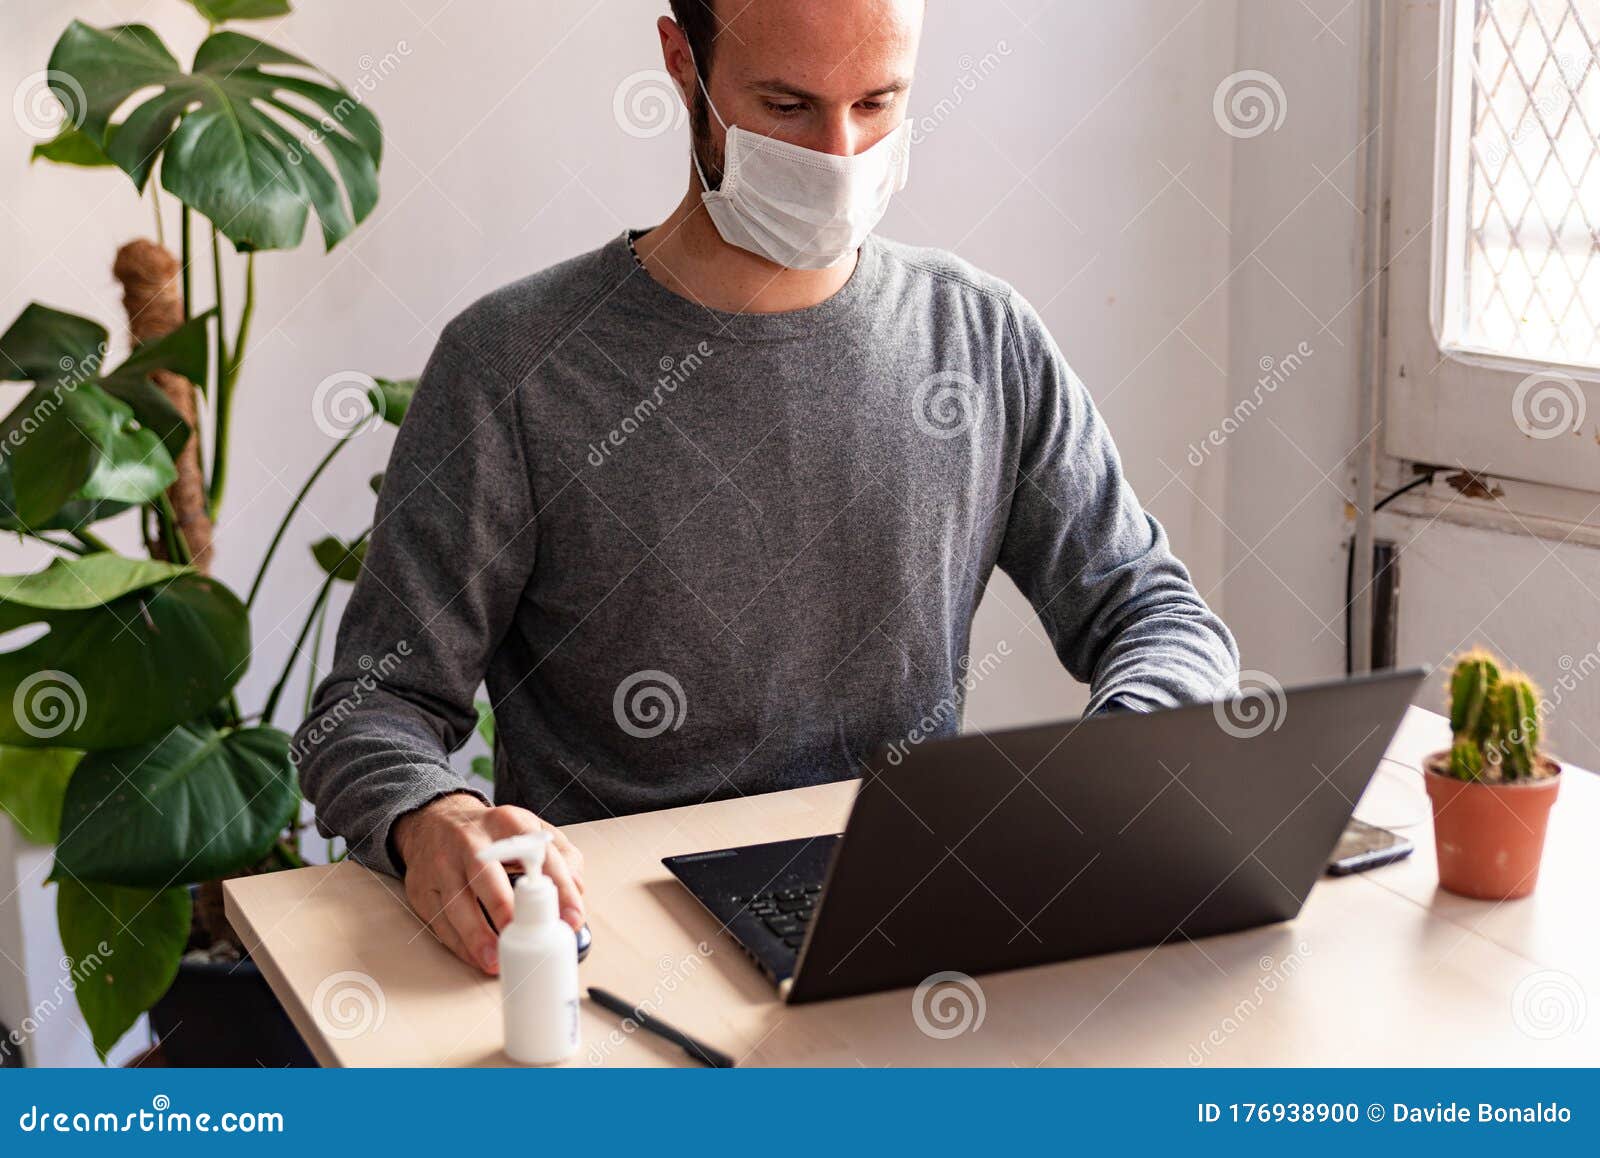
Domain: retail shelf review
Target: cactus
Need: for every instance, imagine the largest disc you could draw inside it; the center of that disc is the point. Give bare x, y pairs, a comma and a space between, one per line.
1516, 720
1471, 694
1494, 719
1466, 760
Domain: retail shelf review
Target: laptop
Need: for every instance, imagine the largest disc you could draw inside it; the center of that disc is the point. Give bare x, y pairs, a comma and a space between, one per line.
1002, 850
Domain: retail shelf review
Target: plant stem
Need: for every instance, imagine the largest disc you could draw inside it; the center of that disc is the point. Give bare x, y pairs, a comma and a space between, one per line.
161, 228
188, 277
316, 651
228, 371
58, 544
269, 711
174, 534
288, 515
247, 313
91, 540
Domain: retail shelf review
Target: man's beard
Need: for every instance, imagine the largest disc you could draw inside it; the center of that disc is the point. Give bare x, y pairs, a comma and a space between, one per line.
710, 157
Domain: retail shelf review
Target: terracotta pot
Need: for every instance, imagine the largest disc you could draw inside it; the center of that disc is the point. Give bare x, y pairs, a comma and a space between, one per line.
1489, 837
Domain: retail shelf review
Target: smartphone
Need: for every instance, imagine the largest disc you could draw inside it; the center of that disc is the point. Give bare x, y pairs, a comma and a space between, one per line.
1364, 846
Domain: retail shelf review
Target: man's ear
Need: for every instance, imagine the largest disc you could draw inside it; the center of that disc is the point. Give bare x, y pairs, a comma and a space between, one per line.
677, 59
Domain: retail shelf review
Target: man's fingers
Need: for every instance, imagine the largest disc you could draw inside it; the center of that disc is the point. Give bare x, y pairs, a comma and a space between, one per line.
571, 897
479, 945
492, 887
428, 906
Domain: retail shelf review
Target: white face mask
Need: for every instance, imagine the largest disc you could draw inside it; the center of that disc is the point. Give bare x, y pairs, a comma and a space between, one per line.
798, 207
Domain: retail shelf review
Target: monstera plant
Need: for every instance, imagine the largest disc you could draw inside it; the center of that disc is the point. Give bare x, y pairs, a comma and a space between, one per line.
122, 741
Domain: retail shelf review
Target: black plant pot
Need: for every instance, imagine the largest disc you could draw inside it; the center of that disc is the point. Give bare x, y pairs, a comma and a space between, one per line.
224, 1014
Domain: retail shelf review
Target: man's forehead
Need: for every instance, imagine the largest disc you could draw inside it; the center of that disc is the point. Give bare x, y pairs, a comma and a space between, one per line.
819, 46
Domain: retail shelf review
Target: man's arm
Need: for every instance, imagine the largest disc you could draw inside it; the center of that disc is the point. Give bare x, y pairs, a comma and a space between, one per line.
1119, 607
452, 550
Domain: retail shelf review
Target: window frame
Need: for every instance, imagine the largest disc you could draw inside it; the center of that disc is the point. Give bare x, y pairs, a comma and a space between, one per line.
1456, 407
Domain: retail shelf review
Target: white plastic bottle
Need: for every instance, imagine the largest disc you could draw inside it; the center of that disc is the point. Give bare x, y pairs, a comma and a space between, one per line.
538, 961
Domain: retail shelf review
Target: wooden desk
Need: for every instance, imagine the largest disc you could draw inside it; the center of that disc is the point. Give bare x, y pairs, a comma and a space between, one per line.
1378, 969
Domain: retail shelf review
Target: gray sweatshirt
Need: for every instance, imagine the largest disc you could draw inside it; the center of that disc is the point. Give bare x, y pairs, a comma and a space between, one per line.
697, 554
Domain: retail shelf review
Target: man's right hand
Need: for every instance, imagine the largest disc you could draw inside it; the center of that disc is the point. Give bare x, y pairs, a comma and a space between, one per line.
446, 883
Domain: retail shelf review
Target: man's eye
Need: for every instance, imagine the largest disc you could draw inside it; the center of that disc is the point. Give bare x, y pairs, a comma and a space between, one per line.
783, 110
874, 106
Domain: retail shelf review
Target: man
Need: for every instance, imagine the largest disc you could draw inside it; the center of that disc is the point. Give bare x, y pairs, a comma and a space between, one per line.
710, 509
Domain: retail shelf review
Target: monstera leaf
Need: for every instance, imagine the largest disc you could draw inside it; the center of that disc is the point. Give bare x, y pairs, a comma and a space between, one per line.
79, 447
233, 135
72, 146
339, 559
193, 804
124, 945
33, 782
391, 398
217, 11
132, 648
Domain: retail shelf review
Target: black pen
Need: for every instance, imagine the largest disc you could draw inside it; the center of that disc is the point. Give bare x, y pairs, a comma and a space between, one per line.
699, 1050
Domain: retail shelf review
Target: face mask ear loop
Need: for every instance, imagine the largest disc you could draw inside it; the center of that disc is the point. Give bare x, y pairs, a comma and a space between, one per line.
693, 153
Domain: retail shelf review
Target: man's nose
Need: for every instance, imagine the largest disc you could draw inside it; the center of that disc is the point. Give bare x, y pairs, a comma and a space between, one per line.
840, 136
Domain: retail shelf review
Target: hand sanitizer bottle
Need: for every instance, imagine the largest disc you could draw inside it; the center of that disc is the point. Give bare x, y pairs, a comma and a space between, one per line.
538, 961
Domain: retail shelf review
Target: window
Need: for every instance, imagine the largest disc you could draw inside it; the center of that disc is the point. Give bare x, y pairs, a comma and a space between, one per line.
1519, 271
1493, 171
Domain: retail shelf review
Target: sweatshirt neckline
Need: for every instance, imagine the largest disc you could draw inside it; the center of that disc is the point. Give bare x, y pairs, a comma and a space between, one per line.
635, 285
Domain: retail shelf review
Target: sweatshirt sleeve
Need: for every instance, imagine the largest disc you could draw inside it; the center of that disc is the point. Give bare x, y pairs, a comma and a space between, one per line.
451, 551
1119, 607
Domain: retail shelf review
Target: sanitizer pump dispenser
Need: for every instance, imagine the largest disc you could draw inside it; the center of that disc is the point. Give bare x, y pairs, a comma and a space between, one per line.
538, 961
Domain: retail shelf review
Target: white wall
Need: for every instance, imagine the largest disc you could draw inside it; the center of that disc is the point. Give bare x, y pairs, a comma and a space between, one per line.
1296, 249
1073, 151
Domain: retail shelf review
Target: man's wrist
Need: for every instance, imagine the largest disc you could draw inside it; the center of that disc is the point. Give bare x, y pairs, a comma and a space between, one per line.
404, 826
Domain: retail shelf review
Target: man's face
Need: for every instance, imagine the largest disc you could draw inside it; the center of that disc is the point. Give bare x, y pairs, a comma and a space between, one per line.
829, 75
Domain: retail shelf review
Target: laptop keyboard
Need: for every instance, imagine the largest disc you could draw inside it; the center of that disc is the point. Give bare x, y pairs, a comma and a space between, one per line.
785, 912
